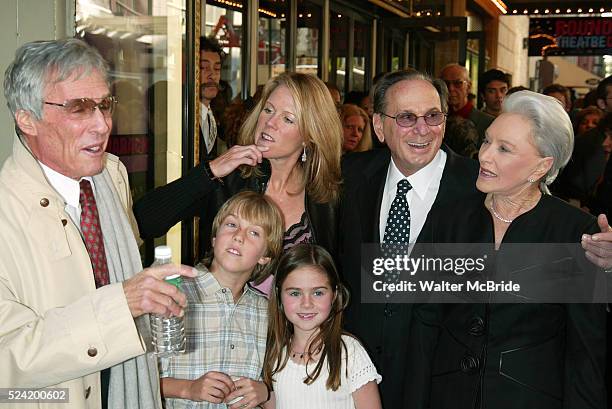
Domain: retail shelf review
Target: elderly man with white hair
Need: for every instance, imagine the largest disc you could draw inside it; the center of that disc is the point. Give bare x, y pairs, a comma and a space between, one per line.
73, 297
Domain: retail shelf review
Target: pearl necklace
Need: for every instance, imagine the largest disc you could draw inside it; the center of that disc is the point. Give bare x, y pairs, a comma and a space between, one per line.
497, 216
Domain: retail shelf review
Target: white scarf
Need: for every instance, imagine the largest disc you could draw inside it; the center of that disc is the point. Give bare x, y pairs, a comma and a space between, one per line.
135, 382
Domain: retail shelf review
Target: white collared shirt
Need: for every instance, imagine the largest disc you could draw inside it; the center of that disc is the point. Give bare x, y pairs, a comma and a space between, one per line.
208, 127
425, 185
69, 189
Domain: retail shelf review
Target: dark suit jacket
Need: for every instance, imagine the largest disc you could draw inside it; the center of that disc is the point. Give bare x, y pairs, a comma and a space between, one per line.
482, 120
195, 194
510, 356
579, 178
204, 154
603, 199
383, 328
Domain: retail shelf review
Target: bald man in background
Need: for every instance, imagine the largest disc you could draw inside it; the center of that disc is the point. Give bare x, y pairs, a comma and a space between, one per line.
459, 86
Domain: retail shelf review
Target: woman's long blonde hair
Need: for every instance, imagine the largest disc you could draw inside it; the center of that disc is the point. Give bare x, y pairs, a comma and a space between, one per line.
318, 124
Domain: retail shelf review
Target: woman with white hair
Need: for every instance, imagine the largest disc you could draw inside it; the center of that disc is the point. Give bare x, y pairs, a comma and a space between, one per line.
514, 355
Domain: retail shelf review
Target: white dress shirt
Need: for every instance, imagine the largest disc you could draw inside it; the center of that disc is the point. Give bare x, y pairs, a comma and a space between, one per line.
425, 185
70, 190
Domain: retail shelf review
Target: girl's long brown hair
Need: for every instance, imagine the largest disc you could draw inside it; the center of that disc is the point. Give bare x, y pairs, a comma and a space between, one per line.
280, 330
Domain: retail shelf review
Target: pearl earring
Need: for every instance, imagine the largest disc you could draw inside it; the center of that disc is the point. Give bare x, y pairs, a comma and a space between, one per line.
304, 154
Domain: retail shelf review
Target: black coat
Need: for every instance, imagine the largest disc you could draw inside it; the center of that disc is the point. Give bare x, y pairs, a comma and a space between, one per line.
603, 200
383, 328
197, 195
509, 356
579, 178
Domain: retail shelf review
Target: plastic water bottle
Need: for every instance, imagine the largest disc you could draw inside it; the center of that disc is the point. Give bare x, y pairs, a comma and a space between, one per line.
168, 333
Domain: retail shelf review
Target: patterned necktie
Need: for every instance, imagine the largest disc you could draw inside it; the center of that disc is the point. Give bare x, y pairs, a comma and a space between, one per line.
397, 230
92, 234
212, 131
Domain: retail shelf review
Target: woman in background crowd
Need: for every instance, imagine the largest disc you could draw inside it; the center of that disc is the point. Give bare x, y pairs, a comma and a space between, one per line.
356, 127
587, 119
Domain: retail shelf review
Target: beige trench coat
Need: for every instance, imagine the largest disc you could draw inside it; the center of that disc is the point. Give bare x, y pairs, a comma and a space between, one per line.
56, 329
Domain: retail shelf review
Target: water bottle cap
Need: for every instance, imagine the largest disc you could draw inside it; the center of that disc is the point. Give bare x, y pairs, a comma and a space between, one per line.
163, 252
175, 279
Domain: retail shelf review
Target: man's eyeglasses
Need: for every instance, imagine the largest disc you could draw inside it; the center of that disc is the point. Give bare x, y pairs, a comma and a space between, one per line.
83, 108
408, 119
454, 83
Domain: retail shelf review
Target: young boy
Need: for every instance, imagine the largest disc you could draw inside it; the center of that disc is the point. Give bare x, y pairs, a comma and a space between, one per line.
226, 319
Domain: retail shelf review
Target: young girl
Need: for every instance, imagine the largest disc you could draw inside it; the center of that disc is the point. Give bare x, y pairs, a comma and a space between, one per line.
310, 362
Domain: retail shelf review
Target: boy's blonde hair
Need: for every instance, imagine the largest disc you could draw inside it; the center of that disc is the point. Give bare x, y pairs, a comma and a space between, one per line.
259, 210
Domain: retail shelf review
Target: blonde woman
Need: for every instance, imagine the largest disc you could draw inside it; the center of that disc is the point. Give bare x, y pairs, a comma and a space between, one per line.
356, 129
289, 149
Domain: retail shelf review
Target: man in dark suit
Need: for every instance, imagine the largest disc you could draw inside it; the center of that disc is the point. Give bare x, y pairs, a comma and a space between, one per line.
580, 179
407, 107
437, 176
604, 194
211, 57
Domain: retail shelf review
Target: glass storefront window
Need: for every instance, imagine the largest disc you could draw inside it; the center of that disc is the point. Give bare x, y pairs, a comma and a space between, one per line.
471, 62
224, 23
338, 34
271, 39
425, 8
396, 55
143, 45
360, 54
308, 42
